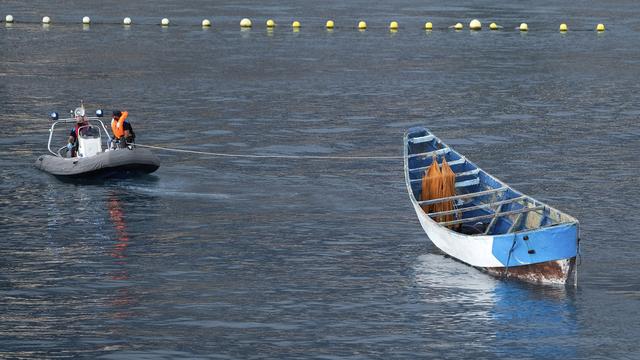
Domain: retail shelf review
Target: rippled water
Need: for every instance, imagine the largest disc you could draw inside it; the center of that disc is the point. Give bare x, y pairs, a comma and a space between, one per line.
239, 258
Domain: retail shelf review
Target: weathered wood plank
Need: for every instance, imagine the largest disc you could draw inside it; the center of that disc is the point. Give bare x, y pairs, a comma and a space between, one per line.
466, 173
462, 196
451, 163
431, 153
466, 183
421, 139
478, 207
482, 217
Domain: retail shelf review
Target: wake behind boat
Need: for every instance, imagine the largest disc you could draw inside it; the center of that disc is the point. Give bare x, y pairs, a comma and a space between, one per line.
90, 159
484, 222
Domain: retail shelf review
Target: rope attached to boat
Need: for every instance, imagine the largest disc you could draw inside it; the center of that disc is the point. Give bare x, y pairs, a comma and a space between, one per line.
513, 245
249, 156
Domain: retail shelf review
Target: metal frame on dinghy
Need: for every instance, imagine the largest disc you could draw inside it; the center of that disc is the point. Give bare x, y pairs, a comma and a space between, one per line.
86, 142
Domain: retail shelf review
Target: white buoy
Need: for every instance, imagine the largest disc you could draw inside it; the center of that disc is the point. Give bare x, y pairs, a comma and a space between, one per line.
458, 26
165, 22
46, 20
475, 24
245, 23
86, 20
524, 27
126, 21
8, 19
206, 23
271, 23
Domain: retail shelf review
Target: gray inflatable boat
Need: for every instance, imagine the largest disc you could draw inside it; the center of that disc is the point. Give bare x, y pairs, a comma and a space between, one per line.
91, 160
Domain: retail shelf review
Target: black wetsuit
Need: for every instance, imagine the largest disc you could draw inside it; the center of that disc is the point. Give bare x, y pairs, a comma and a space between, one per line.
126, 126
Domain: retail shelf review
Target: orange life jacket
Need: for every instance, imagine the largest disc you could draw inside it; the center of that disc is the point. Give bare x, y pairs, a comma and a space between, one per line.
117, 126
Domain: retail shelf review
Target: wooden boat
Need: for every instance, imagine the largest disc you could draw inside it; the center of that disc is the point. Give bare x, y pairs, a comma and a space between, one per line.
492, 226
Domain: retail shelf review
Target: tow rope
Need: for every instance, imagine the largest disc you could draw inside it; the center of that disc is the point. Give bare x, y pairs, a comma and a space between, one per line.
312, 157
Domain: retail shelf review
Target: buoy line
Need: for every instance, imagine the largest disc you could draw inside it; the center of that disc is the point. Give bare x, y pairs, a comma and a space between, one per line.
246, 23
312, 157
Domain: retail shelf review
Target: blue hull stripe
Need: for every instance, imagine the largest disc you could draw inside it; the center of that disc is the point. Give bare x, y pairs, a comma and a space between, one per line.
553, 243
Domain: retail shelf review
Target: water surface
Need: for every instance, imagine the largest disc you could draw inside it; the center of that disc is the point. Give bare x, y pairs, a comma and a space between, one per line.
253, 258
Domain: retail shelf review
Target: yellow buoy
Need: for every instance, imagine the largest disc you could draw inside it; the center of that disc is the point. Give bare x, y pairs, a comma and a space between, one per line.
8, 19
271, 23
86, 20
475, 24
126, 21
393, 25
428, 26
600, 27
295, 24
563, 27
458, 26
245, 23
524, 27
362, 25
329, 24
164, 22
493, 26
46, 20
206, 23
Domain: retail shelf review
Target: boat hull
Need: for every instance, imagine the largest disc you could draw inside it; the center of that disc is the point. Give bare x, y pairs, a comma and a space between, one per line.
550, 262
117, 163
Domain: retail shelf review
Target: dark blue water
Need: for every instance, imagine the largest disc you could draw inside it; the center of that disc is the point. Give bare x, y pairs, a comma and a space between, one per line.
271, 258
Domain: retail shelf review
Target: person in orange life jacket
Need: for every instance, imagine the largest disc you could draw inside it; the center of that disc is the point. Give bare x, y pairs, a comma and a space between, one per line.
81, 120
122, 130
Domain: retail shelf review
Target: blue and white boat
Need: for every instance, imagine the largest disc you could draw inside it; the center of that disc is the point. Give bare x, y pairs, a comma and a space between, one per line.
492, 226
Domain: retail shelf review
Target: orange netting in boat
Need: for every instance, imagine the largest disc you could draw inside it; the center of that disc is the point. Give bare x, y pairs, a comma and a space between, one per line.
431, 185
448, 189
438, 183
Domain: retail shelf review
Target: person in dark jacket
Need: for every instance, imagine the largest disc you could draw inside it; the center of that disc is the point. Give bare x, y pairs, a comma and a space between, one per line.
122, 130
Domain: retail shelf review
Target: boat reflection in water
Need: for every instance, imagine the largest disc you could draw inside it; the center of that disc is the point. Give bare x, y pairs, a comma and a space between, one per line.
116, 216
497, 318
122, 299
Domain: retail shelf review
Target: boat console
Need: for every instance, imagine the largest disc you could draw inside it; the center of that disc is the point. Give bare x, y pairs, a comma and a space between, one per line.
89, 143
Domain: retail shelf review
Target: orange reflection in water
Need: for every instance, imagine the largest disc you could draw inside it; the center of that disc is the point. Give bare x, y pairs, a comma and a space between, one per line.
122, 300
117, 218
